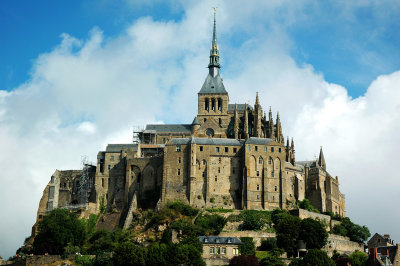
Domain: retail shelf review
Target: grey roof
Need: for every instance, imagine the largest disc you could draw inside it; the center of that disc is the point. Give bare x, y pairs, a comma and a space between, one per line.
240, 107
306, 163
177, 128
220, 239
259, 141
119, 147
195, 121
213, 85
206, 141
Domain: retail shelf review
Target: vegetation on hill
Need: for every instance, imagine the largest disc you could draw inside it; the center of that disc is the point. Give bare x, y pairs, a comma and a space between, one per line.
354, 231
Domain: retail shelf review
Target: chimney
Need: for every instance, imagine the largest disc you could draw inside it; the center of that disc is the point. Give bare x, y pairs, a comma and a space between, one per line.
373, 253
387, 236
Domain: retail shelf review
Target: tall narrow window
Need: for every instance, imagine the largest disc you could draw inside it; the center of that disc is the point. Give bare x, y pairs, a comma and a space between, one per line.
219, 170
219, 104
258, 187
256, 148
206, 104
179, 159
178, 147
260, 160
201, 148
276, 188
213, 104
217, 149
179, 171
258, 173
220, 121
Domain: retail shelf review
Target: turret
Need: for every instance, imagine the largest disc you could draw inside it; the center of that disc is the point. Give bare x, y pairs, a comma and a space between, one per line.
195, 125
257, 117
292, 158
271, 133
321, 159
236, 123
246, 123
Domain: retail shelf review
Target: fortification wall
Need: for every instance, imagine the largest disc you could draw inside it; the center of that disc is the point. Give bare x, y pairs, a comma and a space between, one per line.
341, 244
256, 235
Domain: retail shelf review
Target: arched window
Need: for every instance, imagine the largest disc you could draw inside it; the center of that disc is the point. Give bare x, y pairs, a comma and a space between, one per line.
213, 104
220, 121
206, 104
219, 104
260, 160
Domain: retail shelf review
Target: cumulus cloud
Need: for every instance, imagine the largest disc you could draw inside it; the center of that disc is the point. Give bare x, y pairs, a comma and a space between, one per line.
86, 93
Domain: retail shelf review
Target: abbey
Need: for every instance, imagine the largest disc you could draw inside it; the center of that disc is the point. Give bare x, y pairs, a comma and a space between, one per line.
231, 156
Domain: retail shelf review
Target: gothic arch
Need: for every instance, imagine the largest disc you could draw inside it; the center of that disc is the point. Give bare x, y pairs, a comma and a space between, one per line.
252, 165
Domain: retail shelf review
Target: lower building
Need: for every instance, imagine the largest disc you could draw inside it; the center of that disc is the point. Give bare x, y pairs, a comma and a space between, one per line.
219, 250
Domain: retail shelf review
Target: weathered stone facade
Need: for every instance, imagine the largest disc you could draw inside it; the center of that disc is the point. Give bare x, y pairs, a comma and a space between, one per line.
231, 156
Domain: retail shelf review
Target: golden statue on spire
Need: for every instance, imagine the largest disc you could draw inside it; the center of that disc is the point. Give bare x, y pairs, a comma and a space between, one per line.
215, 9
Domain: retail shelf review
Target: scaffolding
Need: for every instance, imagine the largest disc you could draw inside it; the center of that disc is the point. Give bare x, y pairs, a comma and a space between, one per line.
86, 181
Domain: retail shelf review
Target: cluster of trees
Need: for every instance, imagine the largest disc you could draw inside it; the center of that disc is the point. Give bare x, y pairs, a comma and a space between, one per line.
354, 231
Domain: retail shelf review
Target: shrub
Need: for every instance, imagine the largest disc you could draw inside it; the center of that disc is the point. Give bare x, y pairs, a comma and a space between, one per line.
221, 210
247, 247
84, 260
313, 233
306, 205
268, 244
358, 258
317, 257
249, 260
210, 224
182, 208
252, 221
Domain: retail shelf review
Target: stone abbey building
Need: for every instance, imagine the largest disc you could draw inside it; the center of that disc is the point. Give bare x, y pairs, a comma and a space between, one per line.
230, 156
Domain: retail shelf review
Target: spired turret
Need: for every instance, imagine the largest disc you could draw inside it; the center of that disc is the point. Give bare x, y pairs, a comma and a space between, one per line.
321, 159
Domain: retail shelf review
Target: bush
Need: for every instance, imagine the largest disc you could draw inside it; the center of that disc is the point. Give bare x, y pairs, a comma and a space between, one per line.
340, 230
249, 260
317, 257
84, 260
58, 229
127, 253
358, 258
313, 233
210, 224
273, 259
247, 247
356, 232
252, 221
221, 210
182, 208
268, 244
306, 205
288, 229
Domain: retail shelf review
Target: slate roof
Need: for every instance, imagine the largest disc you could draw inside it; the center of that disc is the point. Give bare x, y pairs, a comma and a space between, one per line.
167, 128
219, 240
195, 121
258, 141
119, 147
213, 85
206, 141
240, 107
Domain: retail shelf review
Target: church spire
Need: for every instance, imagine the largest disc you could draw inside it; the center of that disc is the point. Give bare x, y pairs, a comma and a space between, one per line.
321, 159
214, 66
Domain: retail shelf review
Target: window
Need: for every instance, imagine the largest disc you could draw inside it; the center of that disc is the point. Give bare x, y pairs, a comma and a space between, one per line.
256, 148
223, 251
270, 160
52, 179
234, 149
206, 104
249, 147
163, 140
258, 187
260, 160
219, 104
258, 196
219, 170
205, 119
215, 179
258, 173
179, 159
280, 150
229, 240
217, 149
102, 182
235, 251
204, 174
272, 174
112, 158
220, 121
109, 167
218, 250
178, 147
201, 148
204, 162
211, 250
273, 198
276, 188
213, 104
265, 149
179, 171
272, 149
226, 149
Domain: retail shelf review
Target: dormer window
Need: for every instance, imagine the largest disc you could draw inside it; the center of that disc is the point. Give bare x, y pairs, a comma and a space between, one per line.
229, 240
205, 240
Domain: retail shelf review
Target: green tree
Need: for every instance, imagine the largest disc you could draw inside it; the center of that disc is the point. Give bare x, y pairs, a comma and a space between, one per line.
268, 244
358, 258
306, 205
128, 253
316, 257
340, 230
247, 247
252, 221
287, 233
273, 258
313, 233
58, 229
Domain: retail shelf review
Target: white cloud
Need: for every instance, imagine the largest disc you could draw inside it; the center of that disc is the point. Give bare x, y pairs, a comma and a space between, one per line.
87, 93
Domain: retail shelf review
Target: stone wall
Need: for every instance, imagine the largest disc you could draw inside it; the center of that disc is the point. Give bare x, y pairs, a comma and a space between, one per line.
341, 244
303, 214
256, 235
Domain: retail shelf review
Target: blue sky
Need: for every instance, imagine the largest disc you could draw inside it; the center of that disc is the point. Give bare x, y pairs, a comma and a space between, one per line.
77, 75
349, 49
